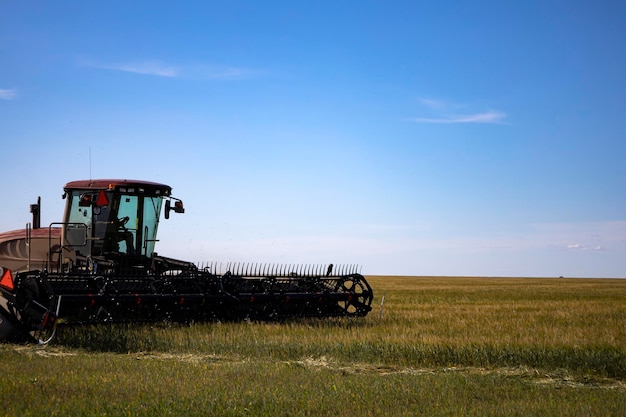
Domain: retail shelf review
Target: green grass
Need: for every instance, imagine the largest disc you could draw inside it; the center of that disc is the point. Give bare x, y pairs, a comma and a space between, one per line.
443, 346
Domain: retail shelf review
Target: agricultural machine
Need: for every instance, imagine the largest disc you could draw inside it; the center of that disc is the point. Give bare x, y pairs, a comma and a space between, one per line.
99, 266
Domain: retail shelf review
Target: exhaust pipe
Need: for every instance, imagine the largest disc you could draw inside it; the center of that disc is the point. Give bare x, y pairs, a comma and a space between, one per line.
36, 210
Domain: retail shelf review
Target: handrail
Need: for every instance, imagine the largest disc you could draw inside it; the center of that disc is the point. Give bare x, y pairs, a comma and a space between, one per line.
146, 240
62, 245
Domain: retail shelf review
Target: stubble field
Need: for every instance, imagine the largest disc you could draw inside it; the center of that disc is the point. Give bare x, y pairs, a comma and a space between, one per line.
438, 346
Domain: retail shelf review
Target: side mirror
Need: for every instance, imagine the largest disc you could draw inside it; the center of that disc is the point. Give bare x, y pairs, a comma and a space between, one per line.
178, 207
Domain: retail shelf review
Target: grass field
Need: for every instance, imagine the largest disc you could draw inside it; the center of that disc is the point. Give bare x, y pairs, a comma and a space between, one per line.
442, 346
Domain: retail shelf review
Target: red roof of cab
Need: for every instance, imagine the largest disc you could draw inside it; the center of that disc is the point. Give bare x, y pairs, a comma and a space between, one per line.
105, 184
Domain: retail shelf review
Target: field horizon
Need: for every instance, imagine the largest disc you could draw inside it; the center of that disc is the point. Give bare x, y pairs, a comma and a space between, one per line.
485, 277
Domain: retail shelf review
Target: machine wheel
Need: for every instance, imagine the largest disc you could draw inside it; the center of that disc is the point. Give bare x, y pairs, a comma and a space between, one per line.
11, 329
361, 295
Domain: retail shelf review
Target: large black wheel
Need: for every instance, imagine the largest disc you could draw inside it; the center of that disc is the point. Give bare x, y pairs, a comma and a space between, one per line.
360, 300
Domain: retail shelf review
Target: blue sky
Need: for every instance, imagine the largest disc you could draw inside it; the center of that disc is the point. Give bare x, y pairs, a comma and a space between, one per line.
478, 138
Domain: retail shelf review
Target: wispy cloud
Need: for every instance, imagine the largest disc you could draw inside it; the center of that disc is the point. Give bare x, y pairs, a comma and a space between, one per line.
578, 246
217, 72
8, 94
445, 112
432, 103
145, 68
189, 71
487, 117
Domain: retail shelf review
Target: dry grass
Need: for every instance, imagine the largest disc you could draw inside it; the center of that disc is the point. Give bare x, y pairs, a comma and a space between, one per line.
443, 346
540, 312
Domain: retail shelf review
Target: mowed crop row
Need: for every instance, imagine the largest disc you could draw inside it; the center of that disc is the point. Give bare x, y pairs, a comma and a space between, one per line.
438, 346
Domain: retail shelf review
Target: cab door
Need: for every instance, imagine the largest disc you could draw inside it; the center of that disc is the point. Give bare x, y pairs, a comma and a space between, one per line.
127, 229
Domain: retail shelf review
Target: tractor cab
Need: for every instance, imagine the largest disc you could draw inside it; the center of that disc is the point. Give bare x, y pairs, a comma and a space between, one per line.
112, 218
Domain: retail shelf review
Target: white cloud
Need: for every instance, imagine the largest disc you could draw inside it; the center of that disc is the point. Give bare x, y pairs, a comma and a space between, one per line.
432, 103
216, 72
488, 117
445, 112
8, 94
158, 68
147, 68
579, 246
575, 246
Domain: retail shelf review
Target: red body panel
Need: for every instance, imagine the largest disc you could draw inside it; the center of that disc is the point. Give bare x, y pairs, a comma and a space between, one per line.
14, 250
